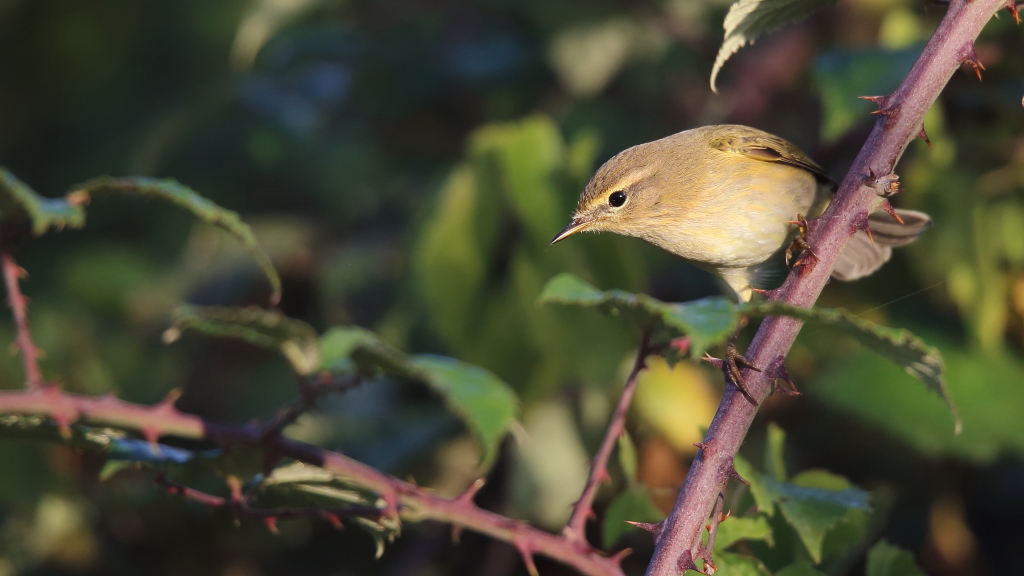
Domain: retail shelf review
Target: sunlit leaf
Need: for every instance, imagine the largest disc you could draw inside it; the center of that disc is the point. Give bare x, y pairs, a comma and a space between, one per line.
184, 197
481, 399
295, 339
16, 198
774, 462
632, 505
884, 559
707, 321
487, 404
918, 359
731, 564
748, 19
737, 528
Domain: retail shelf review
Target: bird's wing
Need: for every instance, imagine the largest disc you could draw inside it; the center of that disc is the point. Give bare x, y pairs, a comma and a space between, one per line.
758, 145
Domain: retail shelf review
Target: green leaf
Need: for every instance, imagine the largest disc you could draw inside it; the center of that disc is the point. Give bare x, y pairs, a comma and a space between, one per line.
301, 484
485, 403
628, 456
297, 341
19, 199
737, 528
707, 321
748, 19
884, 559
987, 388
813, 510
918, 359
799, 569
112, 467
774, 460
812, 502
730, 564
184, 197
633, 505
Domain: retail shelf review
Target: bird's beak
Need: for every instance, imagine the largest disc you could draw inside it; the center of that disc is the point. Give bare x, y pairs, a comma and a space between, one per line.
578, 223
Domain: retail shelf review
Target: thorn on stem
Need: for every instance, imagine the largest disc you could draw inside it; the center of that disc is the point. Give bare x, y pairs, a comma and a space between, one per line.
924, 136
654, 529
152, 435
527, 555
167, 404
716, 362
969, 57
619, 556
862, 224
334, 519
271, 522
732, 473
471, 491
685, 562
777, 371
1011, 5
892, 211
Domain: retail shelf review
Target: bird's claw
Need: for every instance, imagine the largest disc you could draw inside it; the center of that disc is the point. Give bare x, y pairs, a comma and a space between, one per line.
799, 243
731, 367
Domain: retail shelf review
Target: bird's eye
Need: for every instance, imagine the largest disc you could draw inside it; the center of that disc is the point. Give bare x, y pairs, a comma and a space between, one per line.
617, 198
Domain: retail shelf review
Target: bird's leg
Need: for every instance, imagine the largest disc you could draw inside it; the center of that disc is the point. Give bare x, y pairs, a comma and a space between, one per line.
800, 242
734, 361
732, 364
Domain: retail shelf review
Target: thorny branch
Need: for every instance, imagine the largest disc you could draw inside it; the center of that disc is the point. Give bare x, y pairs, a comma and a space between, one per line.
19, 305
241, 505
575, 529
900, 121
402, 499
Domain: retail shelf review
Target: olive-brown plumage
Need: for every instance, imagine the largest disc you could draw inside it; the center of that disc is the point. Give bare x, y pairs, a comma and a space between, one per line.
723, 198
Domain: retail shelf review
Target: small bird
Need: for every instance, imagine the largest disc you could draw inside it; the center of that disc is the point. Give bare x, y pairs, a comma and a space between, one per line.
727, 199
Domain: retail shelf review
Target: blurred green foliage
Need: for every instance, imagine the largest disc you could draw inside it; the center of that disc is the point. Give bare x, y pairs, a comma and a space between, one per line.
404, 166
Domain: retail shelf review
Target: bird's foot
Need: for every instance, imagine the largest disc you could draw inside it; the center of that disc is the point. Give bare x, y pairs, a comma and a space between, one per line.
800, 244
731, 367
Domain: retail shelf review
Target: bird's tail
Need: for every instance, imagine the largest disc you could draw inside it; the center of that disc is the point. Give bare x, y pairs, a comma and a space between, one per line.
861, 256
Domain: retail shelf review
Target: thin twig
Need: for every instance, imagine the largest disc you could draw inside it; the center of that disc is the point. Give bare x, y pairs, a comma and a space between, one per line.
19, 305
413, 502
311, 390
900, 121
243, 506
583, 509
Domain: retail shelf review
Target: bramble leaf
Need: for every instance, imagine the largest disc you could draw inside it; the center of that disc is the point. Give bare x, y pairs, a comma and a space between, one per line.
707, 321
918, 359
180, 195
486, 403
44, 213
295, 339
884, 559
748, 19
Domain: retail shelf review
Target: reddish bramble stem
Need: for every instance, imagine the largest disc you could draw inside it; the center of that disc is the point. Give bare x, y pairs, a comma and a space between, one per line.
899, 123
414, 502
19, 304
575, 529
